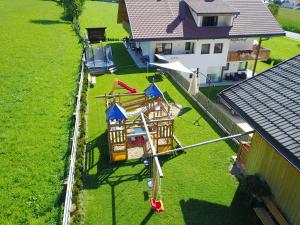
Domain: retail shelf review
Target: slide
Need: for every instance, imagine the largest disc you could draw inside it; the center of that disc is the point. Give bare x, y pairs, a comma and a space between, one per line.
130, 89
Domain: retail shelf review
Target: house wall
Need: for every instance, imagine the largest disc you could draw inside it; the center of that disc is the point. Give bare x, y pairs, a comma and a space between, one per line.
282, 177
196, 60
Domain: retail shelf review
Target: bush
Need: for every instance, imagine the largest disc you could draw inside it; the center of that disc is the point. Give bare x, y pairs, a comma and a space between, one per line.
268, 61
276, 61
73, 8
274, 8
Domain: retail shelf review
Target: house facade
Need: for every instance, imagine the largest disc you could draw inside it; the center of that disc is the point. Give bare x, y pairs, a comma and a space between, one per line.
270, 103
217, 38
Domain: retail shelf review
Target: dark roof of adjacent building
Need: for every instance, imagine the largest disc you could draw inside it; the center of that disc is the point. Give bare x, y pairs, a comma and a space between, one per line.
161, 20
270, 103
211, 7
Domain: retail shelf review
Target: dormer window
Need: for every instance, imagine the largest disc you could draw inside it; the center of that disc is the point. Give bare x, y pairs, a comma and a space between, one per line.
210, 21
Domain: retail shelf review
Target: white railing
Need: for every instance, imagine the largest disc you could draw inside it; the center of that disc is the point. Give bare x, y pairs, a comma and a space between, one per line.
70, 181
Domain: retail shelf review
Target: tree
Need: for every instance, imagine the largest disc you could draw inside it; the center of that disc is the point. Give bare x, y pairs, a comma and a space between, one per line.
73, 8
274, 8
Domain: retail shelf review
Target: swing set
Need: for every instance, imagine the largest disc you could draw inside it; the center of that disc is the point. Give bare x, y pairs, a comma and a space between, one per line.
140, 125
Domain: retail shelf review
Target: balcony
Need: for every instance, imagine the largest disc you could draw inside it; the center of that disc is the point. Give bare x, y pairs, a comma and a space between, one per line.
248, 55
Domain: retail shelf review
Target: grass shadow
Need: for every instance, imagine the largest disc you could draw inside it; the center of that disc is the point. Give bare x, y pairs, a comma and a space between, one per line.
184, 110
124, 62
155, 78
169, 98
106, 169
239, 212
48, 22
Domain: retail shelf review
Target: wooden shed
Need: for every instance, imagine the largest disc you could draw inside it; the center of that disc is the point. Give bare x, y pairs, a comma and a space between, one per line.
270, 103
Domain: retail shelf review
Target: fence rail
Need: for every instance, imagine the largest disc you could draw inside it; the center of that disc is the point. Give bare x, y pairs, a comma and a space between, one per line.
224, 122
70, 180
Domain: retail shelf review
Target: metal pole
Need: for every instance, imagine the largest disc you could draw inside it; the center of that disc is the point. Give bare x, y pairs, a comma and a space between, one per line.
203, 143
152, 146
117, 95
256, 56
147, 67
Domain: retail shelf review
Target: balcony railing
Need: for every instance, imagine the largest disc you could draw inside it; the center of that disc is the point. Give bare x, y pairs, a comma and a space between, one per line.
248, 55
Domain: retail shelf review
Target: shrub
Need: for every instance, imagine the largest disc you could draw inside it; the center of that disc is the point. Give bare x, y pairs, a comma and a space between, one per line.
268, 61
73, 8
274, 8
276, 61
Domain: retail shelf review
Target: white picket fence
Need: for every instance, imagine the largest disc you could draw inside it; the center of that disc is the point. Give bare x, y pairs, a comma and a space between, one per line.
70, 181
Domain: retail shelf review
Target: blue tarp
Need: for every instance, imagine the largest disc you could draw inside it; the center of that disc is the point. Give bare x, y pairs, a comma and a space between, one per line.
115, 112
153, 91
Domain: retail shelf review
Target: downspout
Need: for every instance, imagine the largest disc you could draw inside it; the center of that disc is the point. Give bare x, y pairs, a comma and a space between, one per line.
256, 56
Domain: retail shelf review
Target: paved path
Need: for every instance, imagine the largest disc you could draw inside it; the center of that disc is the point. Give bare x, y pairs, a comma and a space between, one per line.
293, 35
236, 118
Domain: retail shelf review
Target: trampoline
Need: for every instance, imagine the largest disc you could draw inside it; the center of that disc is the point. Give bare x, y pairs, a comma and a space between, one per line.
99, 59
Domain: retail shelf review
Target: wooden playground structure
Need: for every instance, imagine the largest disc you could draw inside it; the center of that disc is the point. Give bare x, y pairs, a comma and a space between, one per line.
127, 138
141, 125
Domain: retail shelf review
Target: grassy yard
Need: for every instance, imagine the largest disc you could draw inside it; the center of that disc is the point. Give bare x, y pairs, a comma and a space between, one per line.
38, 69
281, 48
103, 14
197, 187
212, 92
289, 19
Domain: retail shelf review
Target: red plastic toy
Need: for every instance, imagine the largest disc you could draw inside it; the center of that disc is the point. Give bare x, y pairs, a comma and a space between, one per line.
157, 205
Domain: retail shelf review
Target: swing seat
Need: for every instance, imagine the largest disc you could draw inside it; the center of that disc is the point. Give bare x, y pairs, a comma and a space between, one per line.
149, 183
157, 205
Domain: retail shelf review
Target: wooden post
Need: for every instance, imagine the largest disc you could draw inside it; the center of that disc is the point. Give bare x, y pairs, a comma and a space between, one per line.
256, 56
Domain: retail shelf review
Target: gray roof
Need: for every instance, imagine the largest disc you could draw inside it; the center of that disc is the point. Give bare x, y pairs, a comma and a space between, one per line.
160, 20
270, 103
211, 7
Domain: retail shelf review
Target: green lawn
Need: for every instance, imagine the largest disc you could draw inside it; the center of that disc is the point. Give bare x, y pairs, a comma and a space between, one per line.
197, 187
289, 19
102, 14
212, 92
38, 68
281, 48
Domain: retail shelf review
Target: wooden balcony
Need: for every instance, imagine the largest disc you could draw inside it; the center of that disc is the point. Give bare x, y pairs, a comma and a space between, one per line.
248, 55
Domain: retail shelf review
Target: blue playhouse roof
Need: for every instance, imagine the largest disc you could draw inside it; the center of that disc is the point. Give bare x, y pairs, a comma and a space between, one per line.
115, 112
153, 91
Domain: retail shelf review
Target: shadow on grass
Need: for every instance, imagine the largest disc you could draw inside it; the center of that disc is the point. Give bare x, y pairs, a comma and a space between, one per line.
184, 110
105, 174
239, 212
203, 115
48, 22
155, 78
124, 62
169, 98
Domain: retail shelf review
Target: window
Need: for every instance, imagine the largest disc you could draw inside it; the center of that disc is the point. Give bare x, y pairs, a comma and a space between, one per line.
243, 66
205, 48
218, 48
189, 47
210, 21
164, 48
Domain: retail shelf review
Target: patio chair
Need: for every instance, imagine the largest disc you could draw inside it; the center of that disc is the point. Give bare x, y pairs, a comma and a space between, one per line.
243, 75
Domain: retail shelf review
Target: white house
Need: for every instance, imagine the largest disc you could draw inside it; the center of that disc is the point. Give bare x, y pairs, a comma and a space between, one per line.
214, 36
